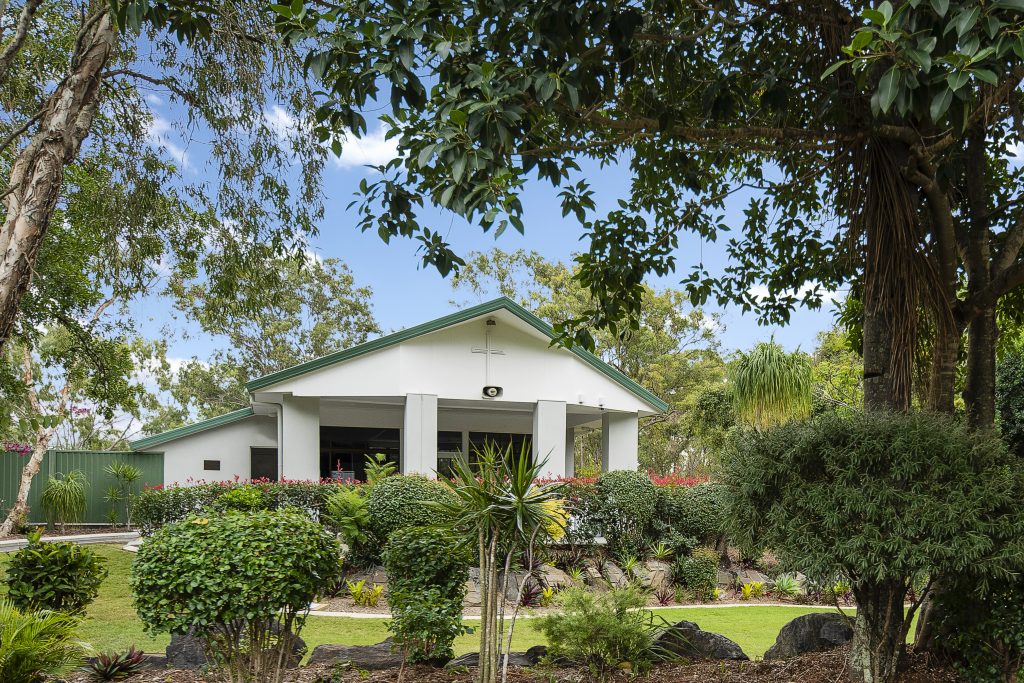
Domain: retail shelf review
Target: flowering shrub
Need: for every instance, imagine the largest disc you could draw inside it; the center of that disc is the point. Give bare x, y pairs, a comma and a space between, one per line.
160, 505
17, 447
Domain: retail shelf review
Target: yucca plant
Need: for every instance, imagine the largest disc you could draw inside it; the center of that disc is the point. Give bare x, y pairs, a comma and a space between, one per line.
661, 551
501, 508
63, 498
115, 666
771, 386
125, 475
36, 645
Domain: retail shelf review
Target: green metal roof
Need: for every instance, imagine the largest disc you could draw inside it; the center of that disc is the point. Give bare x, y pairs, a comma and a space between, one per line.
439, 324
188, 430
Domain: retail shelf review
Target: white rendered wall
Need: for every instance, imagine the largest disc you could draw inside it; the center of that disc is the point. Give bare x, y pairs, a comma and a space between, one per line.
549, 437
419, 435
230, 444
444, 364
300, 438
620, 433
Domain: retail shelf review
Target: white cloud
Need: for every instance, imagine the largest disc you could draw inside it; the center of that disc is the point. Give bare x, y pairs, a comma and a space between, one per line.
280, 121
373, 149
760, 292
155, 100
159, 136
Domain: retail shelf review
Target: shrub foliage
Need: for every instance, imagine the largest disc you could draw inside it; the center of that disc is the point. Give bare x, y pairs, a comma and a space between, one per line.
698, 572
397, 502
427, 571
884, 500
628, 502
241, 582
62, 577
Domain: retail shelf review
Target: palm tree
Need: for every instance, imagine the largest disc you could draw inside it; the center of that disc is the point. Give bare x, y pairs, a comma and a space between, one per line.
770, 386
501, 508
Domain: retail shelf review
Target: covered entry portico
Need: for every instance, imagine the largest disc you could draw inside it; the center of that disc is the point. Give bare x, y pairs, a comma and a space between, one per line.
423, 396
423, 433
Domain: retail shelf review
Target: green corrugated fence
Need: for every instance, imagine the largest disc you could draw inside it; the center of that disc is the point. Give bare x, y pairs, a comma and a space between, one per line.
92, 464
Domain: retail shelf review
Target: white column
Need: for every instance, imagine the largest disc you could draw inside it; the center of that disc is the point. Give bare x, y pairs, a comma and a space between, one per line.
549, 437
620, 438
419, 435
300, 438
570, 452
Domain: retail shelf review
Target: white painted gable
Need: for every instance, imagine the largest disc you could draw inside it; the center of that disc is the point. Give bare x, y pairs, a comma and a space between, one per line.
451, 363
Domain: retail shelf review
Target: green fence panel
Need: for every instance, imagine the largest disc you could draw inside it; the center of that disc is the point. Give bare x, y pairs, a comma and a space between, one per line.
93, 465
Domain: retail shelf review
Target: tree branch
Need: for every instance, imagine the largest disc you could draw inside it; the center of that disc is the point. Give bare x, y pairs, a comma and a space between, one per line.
14, 45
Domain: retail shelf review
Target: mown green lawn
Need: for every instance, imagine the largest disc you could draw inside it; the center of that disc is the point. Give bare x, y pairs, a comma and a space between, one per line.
113, 625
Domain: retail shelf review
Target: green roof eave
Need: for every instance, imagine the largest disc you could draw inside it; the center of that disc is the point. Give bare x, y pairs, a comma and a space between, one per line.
447, 321
188, 430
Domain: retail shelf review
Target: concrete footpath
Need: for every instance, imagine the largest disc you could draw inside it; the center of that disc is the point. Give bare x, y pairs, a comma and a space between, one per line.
82, 539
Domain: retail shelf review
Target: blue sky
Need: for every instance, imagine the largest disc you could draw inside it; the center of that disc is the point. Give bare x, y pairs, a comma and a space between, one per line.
404, 293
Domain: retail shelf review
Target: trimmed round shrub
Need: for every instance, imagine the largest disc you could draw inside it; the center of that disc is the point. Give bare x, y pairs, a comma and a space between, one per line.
692, 511
237, 581
62, 577
698, 571
628, 502
427, 570
397, 503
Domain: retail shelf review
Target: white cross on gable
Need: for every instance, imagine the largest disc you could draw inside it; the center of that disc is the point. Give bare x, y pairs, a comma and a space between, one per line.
488, 351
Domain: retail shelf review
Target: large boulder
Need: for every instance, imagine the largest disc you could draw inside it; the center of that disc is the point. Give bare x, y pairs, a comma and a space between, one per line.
686, 640
813, 632
515, 581
531, 657
593, 577
366, 657
186, 652
472, 598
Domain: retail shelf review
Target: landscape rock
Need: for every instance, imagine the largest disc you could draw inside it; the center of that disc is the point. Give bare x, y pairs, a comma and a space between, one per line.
472, 598
593, 577
814, 632
726, 579
752, 576
554, 577
367, 657
615, 576
659, 575
186, 652
531, 657
371, 576
686, 639
512, 585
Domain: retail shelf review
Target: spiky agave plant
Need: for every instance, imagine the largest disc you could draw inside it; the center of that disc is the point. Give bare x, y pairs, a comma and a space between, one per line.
64, 498
770, 386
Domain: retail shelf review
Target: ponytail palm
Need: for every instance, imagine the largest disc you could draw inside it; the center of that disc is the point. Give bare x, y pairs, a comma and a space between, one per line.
770, 386
500, 506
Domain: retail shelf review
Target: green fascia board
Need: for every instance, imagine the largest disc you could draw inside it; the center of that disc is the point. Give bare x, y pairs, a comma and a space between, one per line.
188, 430
462, 316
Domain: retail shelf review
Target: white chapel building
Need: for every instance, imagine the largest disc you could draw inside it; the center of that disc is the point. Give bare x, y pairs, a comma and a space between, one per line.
421, 397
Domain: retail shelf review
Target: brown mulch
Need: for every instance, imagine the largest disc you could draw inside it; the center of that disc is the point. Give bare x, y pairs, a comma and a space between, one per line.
819, 667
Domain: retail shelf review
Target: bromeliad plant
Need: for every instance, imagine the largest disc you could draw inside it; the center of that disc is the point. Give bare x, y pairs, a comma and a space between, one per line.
115, 666
500, 505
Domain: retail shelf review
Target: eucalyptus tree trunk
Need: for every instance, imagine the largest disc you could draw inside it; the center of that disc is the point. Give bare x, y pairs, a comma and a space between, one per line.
37, 172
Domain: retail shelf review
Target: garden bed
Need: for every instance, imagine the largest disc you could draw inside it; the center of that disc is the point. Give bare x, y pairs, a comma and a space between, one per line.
820, 667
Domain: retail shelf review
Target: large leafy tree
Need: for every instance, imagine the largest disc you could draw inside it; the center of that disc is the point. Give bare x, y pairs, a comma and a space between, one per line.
850, 126
673, 351
77, 80
310, 308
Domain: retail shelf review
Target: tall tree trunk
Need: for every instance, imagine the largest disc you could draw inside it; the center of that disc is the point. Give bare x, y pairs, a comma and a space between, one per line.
980, 384
37, 173
879, 632
888, 221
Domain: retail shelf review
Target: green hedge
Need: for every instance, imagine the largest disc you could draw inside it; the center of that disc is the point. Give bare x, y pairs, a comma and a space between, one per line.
397, 503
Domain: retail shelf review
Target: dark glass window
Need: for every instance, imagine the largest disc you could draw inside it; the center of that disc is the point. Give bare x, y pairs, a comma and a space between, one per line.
507, 443
449, 447
213, 465
344, 449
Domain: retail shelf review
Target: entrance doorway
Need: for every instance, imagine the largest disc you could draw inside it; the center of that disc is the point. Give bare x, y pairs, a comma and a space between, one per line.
263, 464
